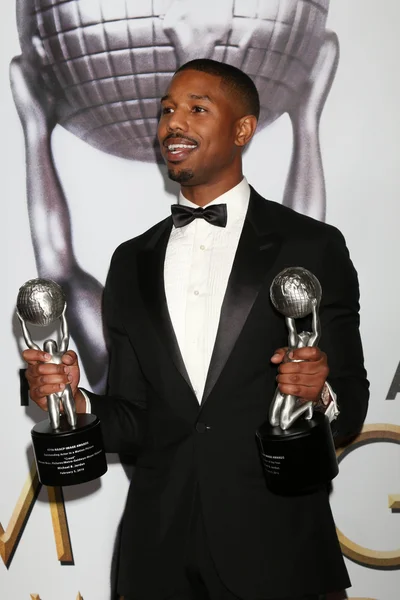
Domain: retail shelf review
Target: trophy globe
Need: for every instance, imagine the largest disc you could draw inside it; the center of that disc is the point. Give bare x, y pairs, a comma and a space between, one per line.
108, 62
40, 302
293, 291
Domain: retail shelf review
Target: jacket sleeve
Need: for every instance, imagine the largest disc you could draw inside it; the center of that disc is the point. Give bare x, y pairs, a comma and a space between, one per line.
123, 410
340, 339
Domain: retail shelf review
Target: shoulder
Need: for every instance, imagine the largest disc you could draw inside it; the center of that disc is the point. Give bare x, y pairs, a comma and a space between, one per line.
125, 263
293, 225
140, 242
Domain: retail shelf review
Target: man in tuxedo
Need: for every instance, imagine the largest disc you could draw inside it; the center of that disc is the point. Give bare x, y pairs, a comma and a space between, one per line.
193, 366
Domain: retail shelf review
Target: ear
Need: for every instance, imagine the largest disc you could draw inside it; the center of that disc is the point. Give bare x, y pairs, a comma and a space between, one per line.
246, 127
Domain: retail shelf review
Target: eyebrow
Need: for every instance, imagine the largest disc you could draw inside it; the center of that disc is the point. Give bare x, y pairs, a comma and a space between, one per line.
197, 97
191, 96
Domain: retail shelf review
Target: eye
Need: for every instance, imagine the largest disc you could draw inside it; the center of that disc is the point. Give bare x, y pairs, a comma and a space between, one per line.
166, 110
199, 109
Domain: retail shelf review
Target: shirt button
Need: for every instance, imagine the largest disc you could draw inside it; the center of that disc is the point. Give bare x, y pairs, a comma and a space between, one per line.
202, 247
196, 292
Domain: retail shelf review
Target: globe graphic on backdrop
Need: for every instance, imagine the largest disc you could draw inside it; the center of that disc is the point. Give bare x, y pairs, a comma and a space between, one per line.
40, 301
293, 290
108, 62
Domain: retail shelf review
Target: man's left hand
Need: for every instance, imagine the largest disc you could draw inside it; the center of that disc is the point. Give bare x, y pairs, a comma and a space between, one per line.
304, 379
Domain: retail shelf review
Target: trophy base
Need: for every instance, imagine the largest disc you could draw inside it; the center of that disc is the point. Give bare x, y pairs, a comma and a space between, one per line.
69, 455
299, 460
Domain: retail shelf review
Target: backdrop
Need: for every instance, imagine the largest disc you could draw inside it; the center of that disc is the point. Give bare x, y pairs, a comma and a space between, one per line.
327, 146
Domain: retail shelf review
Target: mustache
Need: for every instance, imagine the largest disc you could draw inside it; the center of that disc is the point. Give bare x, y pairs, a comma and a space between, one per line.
178, 136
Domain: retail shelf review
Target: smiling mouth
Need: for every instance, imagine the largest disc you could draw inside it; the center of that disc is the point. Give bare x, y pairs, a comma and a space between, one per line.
178, 149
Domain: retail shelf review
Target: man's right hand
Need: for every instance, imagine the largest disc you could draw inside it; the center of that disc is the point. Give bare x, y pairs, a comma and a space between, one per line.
47, 378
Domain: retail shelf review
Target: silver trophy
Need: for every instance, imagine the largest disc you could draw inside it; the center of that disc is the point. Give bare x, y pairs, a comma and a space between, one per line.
296, 444
68, 447
295, 293
41, 302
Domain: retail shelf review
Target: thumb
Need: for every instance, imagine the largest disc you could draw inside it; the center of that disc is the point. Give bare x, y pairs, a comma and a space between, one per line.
278, 356
70, 358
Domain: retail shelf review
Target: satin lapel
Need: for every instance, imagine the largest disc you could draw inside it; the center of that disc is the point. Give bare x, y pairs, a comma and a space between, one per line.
256, 253
151, 281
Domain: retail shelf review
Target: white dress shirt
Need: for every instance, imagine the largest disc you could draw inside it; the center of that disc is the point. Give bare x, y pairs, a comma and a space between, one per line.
197, 266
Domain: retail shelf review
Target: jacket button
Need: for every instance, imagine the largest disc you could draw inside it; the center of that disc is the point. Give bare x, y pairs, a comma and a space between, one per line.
202, 427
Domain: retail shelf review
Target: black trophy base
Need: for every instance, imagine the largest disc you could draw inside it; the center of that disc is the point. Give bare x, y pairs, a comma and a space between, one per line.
69, 456
299, 460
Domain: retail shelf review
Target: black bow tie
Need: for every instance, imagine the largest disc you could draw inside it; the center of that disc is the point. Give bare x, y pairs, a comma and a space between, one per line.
215, 214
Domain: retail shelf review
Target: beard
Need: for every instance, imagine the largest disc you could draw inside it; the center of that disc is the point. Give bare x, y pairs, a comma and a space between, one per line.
182, 176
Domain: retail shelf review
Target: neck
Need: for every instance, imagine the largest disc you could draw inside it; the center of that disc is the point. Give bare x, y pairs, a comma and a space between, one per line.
203, 194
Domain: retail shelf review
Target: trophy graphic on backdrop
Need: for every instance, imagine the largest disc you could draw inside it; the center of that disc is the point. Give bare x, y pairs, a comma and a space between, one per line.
296, 444
99, 68
68, 447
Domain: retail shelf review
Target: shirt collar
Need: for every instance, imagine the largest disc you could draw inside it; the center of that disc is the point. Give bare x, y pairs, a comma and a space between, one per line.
236, 199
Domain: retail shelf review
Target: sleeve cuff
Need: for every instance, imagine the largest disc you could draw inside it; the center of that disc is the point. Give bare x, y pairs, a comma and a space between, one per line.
328, 403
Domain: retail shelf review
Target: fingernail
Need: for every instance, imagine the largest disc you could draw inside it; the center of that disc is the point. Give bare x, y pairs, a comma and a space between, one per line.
62, 386
69, 377
291, 355
66, 370
47, 356
275, 356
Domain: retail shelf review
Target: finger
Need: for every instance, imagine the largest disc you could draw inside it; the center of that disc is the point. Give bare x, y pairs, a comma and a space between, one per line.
38, 376
49, 388
35, 381
299, 379
306, 393
38, 369
304, 368
38, 392
70, 358
278, 355
311, 354
303, 375
35, 356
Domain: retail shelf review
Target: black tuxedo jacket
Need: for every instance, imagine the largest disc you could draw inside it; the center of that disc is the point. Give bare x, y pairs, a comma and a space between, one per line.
263, 545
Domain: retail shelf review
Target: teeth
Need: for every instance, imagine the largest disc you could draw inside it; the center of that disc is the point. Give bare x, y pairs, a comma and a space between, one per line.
173, 147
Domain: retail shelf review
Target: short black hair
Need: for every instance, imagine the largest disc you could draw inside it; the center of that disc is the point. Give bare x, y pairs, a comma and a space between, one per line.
236, 80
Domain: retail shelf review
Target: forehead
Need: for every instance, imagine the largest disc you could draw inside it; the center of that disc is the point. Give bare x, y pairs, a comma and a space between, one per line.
196, 83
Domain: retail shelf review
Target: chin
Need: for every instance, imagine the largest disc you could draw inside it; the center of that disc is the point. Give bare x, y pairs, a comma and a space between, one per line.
181, 176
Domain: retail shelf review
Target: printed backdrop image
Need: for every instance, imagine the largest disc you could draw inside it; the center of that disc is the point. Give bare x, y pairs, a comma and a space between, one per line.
81, 172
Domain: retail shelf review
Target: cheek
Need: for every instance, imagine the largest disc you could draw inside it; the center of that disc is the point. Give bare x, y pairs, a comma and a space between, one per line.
222, 148
159, 132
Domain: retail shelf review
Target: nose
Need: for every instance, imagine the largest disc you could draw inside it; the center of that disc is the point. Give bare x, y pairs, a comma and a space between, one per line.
177, 120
